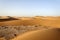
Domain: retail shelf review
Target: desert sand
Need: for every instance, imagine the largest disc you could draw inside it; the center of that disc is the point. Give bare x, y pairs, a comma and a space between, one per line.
38, 20
46, 34
48, 27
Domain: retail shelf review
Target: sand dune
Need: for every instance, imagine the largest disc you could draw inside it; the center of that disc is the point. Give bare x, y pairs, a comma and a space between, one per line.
10, 32
41, 21
21, 22
38, 20
4, 17
46, 34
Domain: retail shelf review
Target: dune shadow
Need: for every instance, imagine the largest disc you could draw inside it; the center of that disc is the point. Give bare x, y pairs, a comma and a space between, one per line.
8, 19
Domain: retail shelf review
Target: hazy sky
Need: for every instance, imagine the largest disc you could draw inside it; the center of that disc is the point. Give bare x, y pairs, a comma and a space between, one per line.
30, 7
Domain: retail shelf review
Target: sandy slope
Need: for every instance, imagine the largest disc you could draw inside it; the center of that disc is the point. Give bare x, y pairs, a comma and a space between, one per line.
50, 34
39, 20
21, 22
4, 17
52, 23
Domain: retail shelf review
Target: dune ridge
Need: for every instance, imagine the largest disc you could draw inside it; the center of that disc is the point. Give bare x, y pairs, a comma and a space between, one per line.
35, 28
46, 34
37, 20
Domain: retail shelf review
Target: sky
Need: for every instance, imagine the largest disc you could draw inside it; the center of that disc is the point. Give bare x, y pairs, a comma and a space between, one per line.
29, 7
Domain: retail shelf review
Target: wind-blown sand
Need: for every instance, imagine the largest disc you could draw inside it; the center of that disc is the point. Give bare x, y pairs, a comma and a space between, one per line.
10, 32
46, 34
32, 28
40, 20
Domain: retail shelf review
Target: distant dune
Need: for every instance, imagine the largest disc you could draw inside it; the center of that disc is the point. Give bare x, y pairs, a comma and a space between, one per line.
37, 20
7, 18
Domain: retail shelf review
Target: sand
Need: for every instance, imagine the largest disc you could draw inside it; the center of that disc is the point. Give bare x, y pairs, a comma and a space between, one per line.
32, 28
46, 34
39, 20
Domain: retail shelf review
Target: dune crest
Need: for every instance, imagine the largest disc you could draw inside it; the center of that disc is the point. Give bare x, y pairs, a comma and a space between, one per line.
37, 20
46, 34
